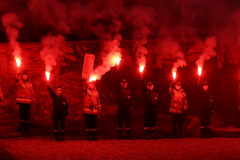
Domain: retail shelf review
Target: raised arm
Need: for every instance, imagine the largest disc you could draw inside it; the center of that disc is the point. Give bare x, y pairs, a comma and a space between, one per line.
17, 78
144, 87
118, 85
51, 92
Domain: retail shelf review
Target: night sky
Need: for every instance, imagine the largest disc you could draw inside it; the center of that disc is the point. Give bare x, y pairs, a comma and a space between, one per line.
102, 19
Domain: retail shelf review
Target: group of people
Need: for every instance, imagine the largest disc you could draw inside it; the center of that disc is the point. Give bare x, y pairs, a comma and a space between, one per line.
92, 106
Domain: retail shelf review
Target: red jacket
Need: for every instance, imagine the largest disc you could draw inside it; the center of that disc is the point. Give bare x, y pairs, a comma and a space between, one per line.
24, 91
178, 102
91, 101
1, 95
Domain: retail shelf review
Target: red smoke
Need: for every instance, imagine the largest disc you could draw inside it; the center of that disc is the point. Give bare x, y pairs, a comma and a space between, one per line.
51, 50
11, 22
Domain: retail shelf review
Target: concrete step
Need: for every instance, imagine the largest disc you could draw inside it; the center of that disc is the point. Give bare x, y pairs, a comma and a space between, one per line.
11, 135
8, 129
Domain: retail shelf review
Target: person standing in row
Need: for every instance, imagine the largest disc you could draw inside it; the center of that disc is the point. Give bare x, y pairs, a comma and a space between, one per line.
178, 107
150, 109
91, 108
1, 96
24, 100
60, 111
124, 104
205, 110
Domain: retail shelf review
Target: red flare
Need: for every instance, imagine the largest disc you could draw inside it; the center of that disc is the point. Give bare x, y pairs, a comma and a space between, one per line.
18, 61
47, 73
141, 68
199, 71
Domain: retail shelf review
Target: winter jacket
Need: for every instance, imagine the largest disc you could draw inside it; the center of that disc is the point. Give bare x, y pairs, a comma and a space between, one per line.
178, 101
24, 91
91, 100
150, 97
59, 102
206, 99
1, 95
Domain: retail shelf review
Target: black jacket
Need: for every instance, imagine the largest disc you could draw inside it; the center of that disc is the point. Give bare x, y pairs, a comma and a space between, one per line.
206, 98
124, 94
59, 102
150, 97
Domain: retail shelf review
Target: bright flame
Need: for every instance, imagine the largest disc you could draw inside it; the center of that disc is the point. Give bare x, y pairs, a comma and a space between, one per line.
199, 71
47, 75
93, 78
18, 61
141, 68
118, 60
174, 74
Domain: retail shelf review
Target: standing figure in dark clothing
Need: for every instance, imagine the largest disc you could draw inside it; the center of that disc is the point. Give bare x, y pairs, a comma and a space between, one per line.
91, 108
1, 96
178, 107
124, 104
205, 110
150, 109
60, 111
24, 99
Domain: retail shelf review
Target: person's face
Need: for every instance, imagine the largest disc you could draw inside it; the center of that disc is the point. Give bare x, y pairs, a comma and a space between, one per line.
59, 91
124, 85
205, 87
150, 86
25, 77
91, 85
178, 87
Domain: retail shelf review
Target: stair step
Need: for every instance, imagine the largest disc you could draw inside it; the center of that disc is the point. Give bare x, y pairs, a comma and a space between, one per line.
11, 135
8, 129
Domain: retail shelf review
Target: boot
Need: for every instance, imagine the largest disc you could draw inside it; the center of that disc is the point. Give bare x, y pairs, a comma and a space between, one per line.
89, 134
129, 135
94, 135
56, 136
62, 136
153, 134
147, 134
119, 135
22, 128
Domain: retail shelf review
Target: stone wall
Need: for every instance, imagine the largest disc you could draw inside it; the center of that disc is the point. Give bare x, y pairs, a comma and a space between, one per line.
67, 74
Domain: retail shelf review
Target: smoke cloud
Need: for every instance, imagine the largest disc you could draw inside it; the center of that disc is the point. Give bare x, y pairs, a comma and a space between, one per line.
51, 50
12, 23
208, 50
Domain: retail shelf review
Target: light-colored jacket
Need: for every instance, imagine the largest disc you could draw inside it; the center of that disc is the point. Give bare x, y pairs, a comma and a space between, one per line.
178, 101
24, 91
91, 101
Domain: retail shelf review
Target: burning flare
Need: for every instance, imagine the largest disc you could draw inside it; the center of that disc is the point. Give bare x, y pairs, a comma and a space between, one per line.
199, 71
141, 68
47, 75
18, 61
174, 74
93, 78
118, 60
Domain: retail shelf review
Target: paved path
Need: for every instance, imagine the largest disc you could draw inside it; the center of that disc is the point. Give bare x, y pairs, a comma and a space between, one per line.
188, 148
